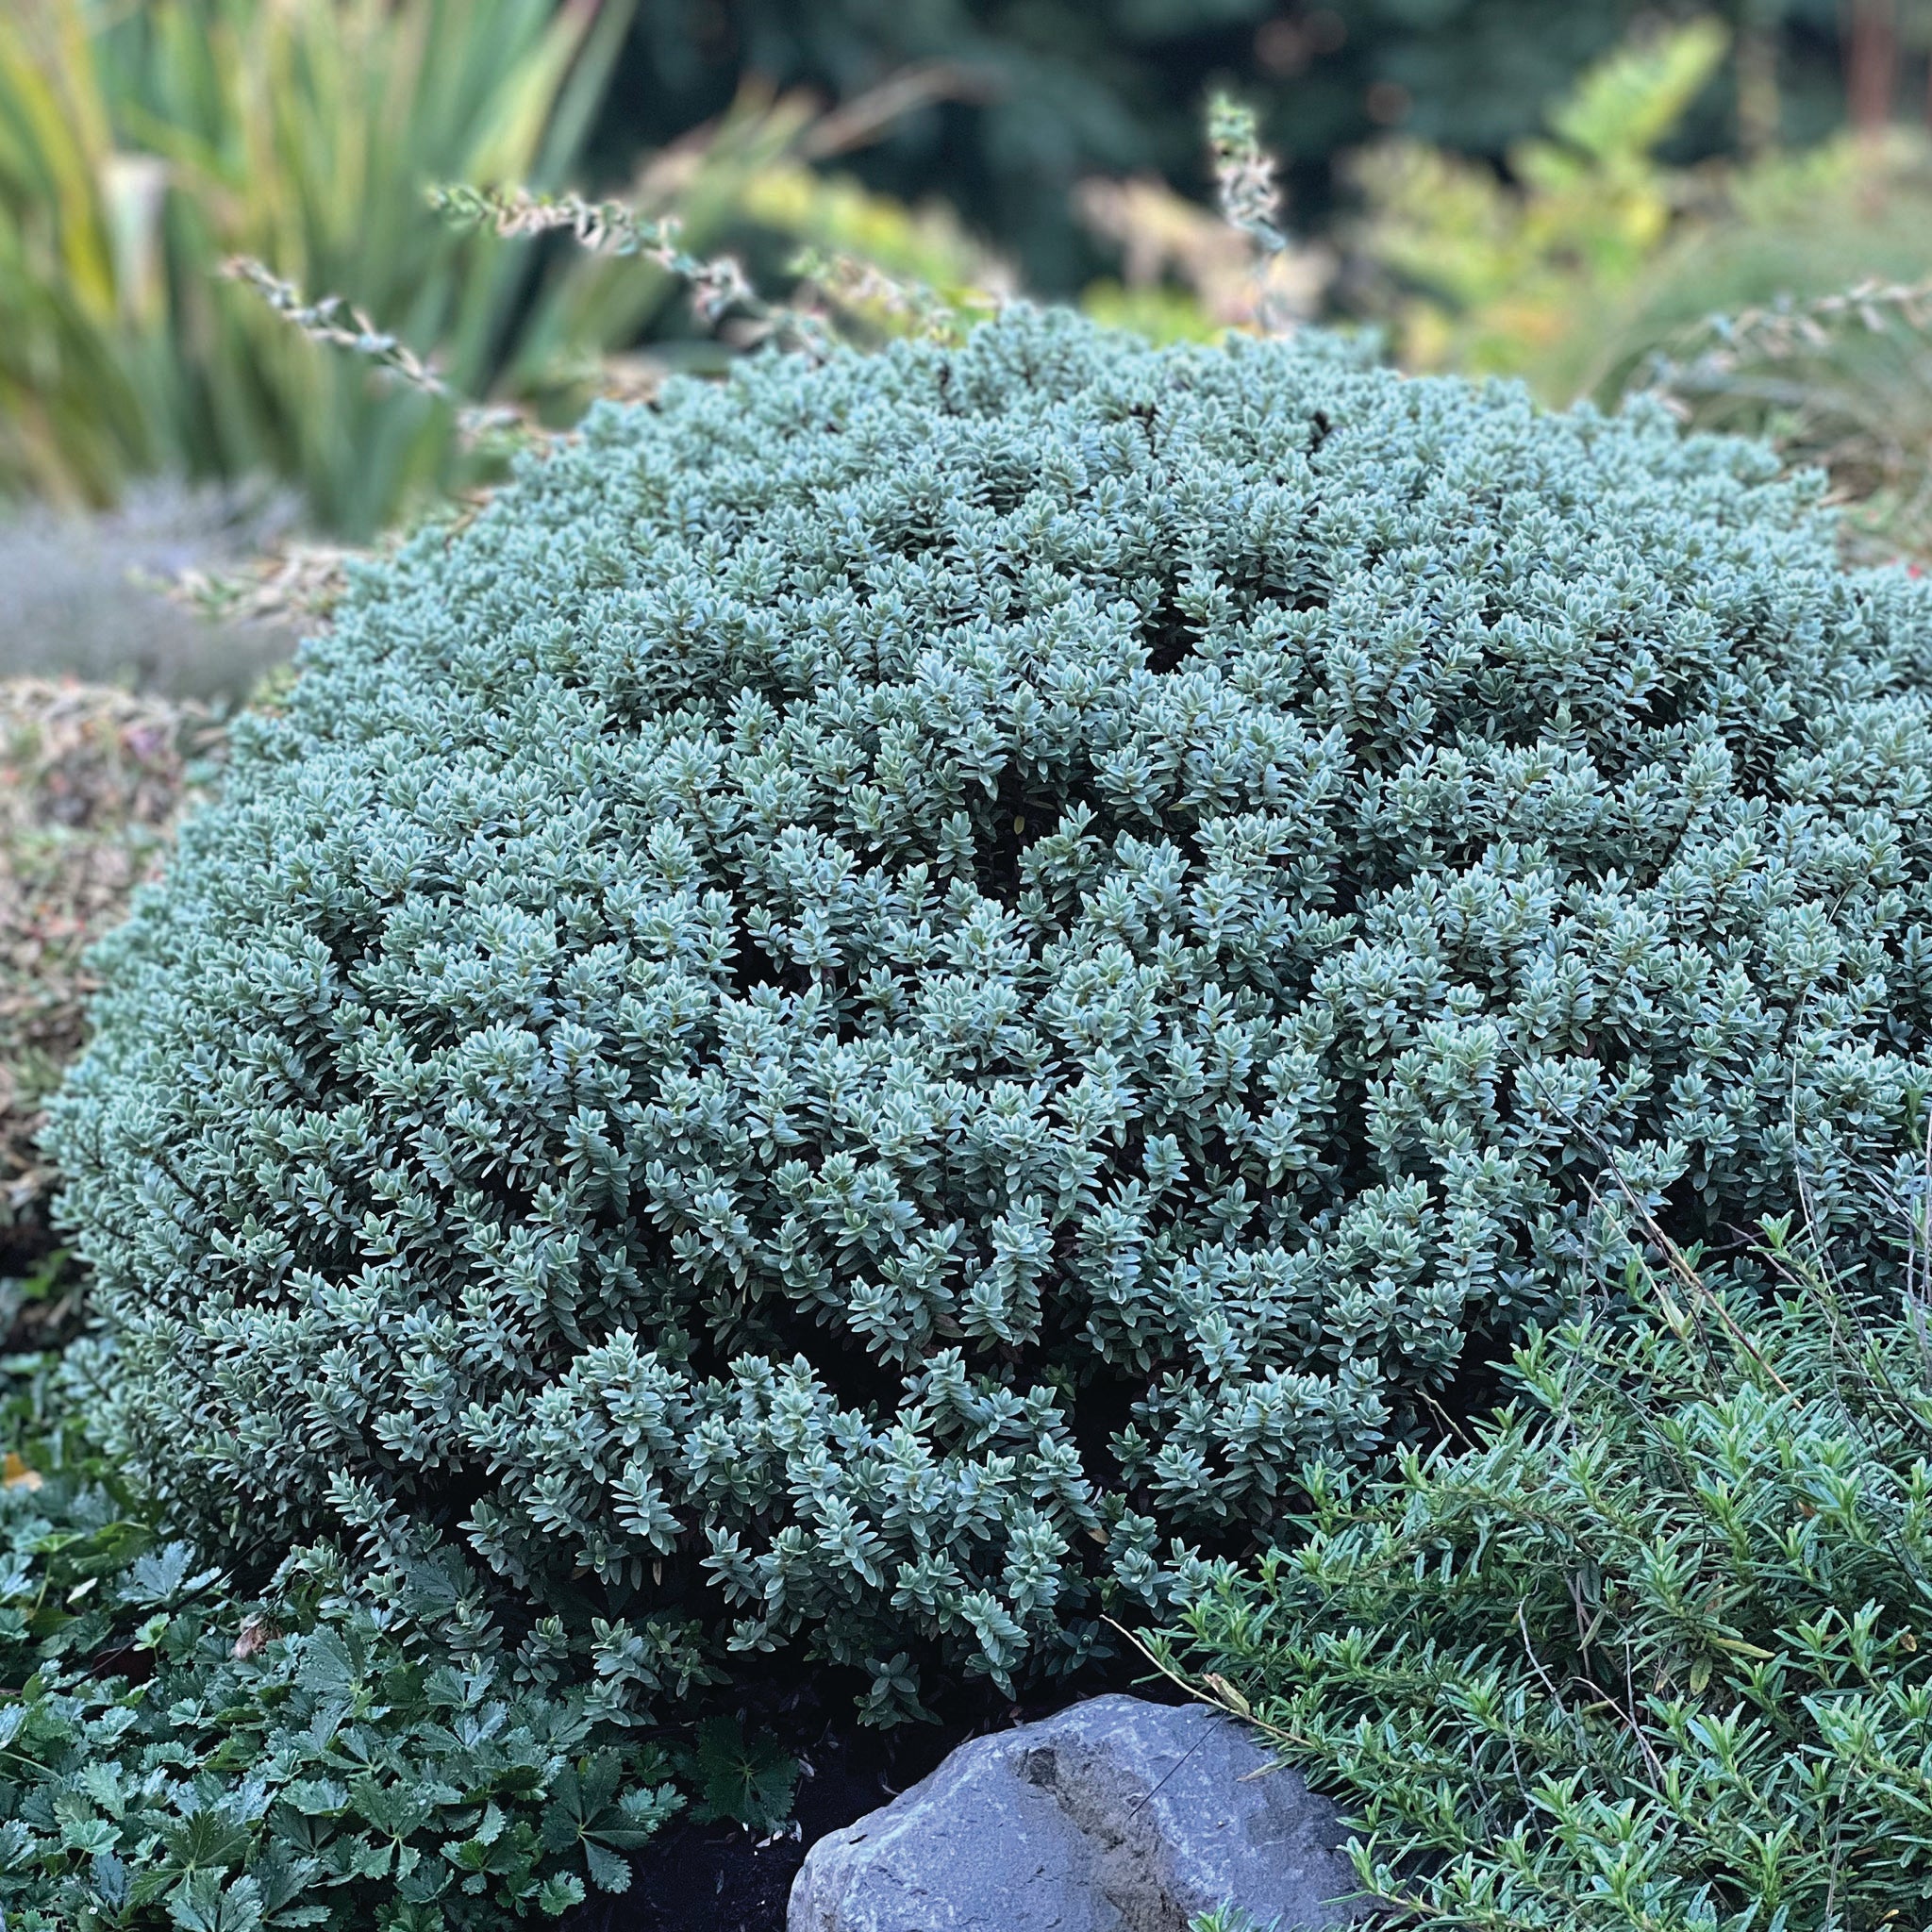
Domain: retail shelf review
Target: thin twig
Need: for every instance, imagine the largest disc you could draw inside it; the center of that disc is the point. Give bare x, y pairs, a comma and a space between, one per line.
338, 322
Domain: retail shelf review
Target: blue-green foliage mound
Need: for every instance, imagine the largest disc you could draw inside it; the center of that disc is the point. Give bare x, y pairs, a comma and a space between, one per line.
887, 987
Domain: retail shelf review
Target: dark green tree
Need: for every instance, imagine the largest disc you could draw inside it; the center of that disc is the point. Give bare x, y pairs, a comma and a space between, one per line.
1049, 91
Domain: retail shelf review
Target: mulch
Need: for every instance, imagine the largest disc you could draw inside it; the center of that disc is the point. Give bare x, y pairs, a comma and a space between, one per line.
92, 781
696, 1877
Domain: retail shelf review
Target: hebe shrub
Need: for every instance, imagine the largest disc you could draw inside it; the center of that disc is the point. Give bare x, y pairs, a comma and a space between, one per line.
890, 987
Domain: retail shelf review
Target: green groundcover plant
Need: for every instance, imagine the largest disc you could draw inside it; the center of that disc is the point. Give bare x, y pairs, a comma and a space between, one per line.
172, 1754
891, 990
1655, 1650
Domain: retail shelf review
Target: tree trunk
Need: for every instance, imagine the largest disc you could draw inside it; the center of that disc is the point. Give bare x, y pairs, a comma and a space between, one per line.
1872, 64
1759, 108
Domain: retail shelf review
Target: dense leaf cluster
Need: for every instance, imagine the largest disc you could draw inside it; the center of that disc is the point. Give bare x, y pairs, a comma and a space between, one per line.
1656, 1650
171, 1756
890, 987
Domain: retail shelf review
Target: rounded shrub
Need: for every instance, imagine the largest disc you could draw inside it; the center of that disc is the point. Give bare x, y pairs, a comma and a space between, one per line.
889, 988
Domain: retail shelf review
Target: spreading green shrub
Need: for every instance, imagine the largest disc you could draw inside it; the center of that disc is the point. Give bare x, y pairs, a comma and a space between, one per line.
891, 989
1655, 1651
337, 1754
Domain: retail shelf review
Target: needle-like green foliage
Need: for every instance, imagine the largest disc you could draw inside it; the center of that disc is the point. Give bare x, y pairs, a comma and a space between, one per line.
1655, 1651
893, 985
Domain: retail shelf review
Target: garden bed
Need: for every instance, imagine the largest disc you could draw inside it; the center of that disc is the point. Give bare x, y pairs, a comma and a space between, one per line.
92, 781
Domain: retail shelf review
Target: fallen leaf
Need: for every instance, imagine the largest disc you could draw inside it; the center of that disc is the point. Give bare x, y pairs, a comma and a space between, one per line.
256, 1633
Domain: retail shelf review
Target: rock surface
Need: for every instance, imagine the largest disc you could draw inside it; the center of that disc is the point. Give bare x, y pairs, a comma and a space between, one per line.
1115, 1815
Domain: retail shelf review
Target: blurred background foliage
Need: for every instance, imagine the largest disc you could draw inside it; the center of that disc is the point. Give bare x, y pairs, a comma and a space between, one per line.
1559, 194
1515, 273
1051, 92
141, 144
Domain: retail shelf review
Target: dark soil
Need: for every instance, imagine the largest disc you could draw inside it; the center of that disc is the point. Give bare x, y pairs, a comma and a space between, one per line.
721, 1878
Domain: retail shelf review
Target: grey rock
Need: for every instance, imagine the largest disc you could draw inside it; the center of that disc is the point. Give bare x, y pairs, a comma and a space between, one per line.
1115, 1815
